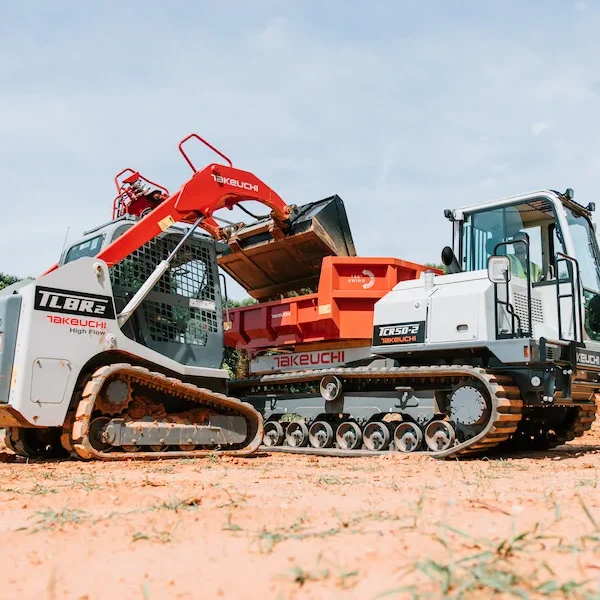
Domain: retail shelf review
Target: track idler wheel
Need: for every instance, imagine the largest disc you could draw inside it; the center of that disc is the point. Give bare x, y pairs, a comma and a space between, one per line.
274, 434
95, 434
296, 434
349, 436
408, 437
320, 435
376, 436
439, 436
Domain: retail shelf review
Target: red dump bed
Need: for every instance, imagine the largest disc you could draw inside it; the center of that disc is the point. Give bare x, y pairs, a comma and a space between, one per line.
342, 309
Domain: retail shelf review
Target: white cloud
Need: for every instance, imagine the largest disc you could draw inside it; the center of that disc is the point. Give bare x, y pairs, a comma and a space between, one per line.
538, 128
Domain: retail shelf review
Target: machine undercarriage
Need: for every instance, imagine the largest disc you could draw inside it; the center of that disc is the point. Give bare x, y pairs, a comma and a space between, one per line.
439, 410
122, 409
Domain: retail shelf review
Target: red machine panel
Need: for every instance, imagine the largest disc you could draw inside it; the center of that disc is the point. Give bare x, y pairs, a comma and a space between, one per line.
342, 308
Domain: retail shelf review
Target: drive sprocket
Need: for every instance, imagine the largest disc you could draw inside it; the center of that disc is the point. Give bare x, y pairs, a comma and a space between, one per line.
115, 397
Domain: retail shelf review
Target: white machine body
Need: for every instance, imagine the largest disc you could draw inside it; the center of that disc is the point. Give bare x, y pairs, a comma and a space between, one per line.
67, 318
459, 310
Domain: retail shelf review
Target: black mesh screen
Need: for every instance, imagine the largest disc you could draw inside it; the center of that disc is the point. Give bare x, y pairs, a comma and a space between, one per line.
181, 306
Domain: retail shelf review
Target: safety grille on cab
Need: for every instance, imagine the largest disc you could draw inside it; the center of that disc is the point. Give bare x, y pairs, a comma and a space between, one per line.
166, 310
520, 304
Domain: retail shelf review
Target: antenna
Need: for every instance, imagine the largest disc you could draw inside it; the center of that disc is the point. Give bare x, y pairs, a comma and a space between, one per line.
65, 242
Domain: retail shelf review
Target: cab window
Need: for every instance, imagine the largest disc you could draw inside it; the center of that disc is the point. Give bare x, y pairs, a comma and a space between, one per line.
90, 247
492, 231
483, 231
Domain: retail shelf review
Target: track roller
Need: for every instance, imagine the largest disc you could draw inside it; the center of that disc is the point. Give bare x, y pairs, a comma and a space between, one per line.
408, 437
376, 436
131, 448
95, 434
330, 388
439, 435
320, 435
187, 447
296, 434
349, 436
158, 447
274, 434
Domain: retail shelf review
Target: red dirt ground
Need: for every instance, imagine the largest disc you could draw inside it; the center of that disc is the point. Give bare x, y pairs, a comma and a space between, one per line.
275, 527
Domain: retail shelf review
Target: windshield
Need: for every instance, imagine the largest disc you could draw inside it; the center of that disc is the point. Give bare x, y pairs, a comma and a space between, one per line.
586, 249
88, 248
483, 231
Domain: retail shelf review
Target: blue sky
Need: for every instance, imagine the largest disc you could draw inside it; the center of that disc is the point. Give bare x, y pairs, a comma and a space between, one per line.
403, 108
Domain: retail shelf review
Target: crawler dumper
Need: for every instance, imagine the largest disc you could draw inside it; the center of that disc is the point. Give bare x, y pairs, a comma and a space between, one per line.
386, 356
116, 351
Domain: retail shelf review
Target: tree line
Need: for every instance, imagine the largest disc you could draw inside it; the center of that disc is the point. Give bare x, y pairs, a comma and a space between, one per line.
6, 280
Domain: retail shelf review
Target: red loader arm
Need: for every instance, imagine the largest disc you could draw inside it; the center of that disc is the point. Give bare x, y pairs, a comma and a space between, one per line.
214, 187
209, 190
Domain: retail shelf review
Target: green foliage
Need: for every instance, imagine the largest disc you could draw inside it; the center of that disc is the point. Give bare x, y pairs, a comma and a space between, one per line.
440, 266
301, 292
235, 361
6, 280
230, 303
232, 360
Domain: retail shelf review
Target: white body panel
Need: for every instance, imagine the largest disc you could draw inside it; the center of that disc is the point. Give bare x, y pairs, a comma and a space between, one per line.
53, 346
459, 309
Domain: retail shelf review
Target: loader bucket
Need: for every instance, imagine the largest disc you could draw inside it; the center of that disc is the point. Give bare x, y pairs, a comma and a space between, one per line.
268, 261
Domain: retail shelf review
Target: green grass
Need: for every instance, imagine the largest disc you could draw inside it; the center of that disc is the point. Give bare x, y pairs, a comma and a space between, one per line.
268, 538
86, 482
177, 504
36, 490
163, 536
51, 519
504, 568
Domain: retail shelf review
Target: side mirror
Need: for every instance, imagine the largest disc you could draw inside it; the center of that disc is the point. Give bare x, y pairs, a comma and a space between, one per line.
499, 269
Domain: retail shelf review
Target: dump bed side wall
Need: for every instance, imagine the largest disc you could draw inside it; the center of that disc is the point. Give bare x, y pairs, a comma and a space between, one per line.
342, 309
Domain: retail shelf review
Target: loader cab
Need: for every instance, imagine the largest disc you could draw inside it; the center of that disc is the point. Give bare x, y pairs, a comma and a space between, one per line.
560, 242
181, 317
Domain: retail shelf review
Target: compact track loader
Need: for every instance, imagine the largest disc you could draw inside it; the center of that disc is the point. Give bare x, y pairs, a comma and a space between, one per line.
116, 351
